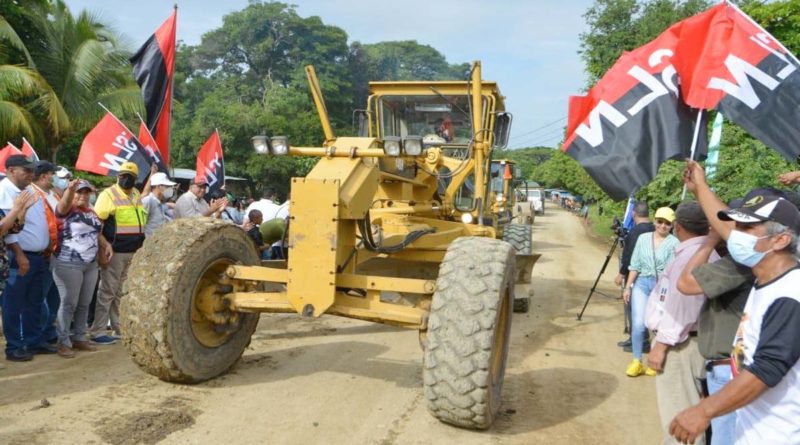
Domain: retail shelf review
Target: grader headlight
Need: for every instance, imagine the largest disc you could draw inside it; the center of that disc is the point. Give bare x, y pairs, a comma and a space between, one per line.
260, 144
391, 145
280, 145
412, 145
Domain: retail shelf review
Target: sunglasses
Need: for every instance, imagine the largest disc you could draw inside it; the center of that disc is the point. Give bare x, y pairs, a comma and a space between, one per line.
663, 222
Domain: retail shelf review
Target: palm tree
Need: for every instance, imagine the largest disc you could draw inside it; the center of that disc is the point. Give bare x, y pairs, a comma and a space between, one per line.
54, 74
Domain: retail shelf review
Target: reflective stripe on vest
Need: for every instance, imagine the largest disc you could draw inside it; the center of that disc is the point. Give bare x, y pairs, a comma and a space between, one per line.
129, 215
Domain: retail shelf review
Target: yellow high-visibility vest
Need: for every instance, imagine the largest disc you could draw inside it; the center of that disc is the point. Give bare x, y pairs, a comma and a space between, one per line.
129, 215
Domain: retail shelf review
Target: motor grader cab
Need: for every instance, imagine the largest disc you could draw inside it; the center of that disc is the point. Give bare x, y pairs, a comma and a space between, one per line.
392, 226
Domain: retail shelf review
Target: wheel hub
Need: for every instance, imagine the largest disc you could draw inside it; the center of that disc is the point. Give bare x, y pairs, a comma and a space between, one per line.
212, 322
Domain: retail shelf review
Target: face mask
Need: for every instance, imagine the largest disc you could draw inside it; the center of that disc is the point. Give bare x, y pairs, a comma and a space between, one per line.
60, 183
126, 181
168, 192
92, 199
742, 245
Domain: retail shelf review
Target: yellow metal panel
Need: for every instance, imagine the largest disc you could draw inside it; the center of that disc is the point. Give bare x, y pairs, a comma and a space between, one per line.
313, 243
258, 302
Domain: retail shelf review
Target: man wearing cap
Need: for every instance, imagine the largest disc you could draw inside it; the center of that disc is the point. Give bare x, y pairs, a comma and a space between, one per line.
24, 293
124, 219
44, 182
191, 204
765, 392
161, 190
672, 316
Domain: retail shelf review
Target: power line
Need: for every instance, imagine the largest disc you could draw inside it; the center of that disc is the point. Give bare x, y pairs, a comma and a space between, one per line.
550, 134
549, 124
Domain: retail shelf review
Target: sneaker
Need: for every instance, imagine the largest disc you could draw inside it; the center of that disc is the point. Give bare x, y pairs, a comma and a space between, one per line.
624, 343
65, 351
104, 340
635, 369
650, 372
83, 346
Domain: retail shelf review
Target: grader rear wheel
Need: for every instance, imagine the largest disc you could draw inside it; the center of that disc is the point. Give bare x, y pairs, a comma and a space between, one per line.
468, 332
519, 236
176, 326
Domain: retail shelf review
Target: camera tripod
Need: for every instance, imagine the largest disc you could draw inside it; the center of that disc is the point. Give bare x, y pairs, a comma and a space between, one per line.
593, 290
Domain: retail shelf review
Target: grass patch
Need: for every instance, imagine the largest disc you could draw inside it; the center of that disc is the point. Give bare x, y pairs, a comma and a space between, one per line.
601, 225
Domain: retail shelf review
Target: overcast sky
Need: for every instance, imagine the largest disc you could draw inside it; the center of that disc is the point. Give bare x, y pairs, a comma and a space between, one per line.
528, 46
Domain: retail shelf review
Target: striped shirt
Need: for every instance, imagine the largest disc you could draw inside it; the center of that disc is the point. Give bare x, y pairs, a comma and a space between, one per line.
642, 258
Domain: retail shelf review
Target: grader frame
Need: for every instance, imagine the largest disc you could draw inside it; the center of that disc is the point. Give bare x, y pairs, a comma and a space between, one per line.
403, 239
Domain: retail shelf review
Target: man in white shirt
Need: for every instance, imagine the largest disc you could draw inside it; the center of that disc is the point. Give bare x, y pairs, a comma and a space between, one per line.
46, 181
191, 204
155, 204
23, 296
268, 206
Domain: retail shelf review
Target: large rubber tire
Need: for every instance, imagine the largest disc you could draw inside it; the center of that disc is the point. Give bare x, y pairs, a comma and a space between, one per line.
158, 297
468, 332
520, 237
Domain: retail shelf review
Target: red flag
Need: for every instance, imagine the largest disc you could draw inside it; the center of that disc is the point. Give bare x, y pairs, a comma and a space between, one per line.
150, 146
632, 120
7, 151
153, 66
108, 145
728, 62
210, 167
28, 151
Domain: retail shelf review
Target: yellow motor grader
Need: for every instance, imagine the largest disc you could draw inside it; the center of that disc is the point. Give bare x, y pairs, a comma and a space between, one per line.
400, 209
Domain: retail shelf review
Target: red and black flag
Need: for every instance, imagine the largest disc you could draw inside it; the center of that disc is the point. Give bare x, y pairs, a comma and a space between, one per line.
28, 151
153, 67
632, 120
210, 167
151, 148
108, 145
728, 62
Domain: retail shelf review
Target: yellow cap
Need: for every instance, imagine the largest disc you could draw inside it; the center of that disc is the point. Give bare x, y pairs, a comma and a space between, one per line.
129, 167
665, 213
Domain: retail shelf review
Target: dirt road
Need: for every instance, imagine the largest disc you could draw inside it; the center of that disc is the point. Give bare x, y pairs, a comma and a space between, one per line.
338, 381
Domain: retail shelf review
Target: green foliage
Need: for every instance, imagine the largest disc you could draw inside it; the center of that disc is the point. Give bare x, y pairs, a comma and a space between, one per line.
54, 68
526, 158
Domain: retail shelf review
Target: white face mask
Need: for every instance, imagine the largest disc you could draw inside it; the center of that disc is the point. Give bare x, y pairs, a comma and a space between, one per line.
168, 193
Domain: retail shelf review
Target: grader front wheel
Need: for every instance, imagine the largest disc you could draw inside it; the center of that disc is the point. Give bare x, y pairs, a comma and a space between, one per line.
521, 238
468, 332
172, 316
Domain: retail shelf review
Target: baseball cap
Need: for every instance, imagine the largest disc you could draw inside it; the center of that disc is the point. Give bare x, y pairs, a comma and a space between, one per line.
763, 207
129, 167
665, 213
43, 167
84, 184
63, 172
19, 161
160, 178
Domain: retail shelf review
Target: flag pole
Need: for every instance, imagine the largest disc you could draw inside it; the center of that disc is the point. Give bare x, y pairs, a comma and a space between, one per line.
694, 143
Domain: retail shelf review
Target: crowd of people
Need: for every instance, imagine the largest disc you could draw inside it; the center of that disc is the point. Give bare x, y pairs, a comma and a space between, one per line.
711, 293
65, 249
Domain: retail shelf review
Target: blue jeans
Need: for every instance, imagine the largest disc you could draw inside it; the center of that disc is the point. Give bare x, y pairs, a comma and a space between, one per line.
641, 290
50, 307
23, 299
723, 427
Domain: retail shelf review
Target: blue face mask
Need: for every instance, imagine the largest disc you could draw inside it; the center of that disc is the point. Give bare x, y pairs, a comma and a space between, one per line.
92, 199
60, 183
742, 247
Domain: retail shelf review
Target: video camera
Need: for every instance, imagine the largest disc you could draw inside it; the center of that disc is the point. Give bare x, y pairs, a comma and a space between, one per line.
618, 229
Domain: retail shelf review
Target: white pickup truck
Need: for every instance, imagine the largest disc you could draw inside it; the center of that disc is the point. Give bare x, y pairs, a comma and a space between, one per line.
536, 198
